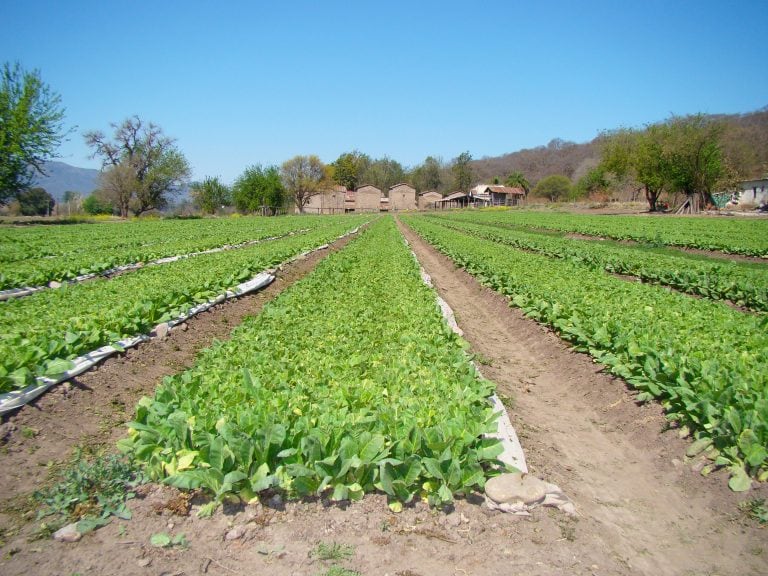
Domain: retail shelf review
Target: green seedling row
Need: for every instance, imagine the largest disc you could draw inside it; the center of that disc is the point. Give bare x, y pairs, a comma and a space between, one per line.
706, 363
35, 256
41, 332
744, 235
744, 285
349, 382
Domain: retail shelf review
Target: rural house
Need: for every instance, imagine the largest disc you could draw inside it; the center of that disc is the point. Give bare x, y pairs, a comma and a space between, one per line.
494, 195
367, 199
327, 202
751, 192
454, 200
402, 197
427, 199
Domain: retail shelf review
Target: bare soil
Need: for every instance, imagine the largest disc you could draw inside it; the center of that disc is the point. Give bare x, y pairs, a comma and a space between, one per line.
641, 507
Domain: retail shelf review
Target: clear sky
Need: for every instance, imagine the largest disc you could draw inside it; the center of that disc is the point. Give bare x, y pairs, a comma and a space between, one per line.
240, 83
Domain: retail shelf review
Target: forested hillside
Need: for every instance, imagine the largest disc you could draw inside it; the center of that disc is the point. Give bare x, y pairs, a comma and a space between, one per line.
745, 145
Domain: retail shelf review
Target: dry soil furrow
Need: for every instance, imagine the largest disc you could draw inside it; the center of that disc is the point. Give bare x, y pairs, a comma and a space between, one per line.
640, 505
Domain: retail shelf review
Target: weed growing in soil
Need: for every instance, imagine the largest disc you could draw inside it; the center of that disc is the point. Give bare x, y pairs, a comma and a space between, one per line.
756, 509
482, 359
89, 489
340, 571
332, 551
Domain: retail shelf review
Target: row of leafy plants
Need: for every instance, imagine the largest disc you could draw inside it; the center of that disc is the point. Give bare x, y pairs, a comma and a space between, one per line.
350, 381
37, 256
747, 236
43, 332
743, 284
706, 363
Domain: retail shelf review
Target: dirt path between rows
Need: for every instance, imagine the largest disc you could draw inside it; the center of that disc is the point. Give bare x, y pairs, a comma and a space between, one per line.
641, 510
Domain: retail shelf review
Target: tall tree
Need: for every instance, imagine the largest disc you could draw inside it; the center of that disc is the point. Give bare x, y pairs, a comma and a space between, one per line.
303, 177
210, 194
427, 175
348, 168
259, 189
683, 154
461, 168
159, 169
694, 159
382, 173
31, 128
518, 180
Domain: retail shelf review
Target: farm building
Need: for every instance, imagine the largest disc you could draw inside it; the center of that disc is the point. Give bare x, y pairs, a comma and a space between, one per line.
751, 192
493, 195
402, 197
367, 199
427, 199
327, 202
455, 200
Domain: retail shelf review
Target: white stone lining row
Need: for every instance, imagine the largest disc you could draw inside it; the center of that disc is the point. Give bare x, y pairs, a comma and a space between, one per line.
17, 398
513, 451
27, 290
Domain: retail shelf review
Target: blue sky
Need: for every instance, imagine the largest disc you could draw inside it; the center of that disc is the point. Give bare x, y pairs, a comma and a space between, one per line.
241, 83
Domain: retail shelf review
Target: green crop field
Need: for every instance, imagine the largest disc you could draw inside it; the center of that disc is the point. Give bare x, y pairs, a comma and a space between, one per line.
350, 381
703, 360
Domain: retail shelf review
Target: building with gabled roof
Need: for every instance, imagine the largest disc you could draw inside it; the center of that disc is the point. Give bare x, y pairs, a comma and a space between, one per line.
427, 199
402, 197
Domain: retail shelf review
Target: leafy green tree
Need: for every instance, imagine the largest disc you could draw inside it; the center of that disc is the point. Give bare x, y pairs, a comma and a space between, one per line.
518, 180
94, 205
639, 155
159, 169
349, 167
210, 195
683, 154
382, 173
427, 175
461, 168
694, 159
31, 128
35, 202
593, 181
555, 187
259, 188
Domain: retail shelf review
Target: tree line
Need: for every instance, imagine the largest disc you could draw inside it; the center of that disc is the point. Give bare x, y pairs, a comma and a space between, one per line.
143, 169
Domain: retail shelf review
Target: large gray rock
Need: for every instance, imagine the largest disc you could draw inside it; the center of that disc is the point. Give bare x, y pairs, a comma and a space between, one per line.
513, 488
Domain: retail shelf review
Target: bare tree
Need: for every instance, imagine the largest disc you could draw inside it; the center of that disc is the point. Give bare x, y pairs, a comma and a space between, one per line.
118, 185
159, 168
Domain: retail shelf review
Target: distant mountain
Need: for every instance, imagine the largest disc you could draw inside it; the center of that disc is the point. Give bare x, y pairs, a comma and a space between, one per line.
61, 177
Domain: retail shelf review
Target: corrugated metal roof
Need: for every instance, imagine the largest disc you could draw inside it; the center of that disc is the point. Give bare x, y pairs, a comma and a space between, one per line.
505, 190
454, 196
